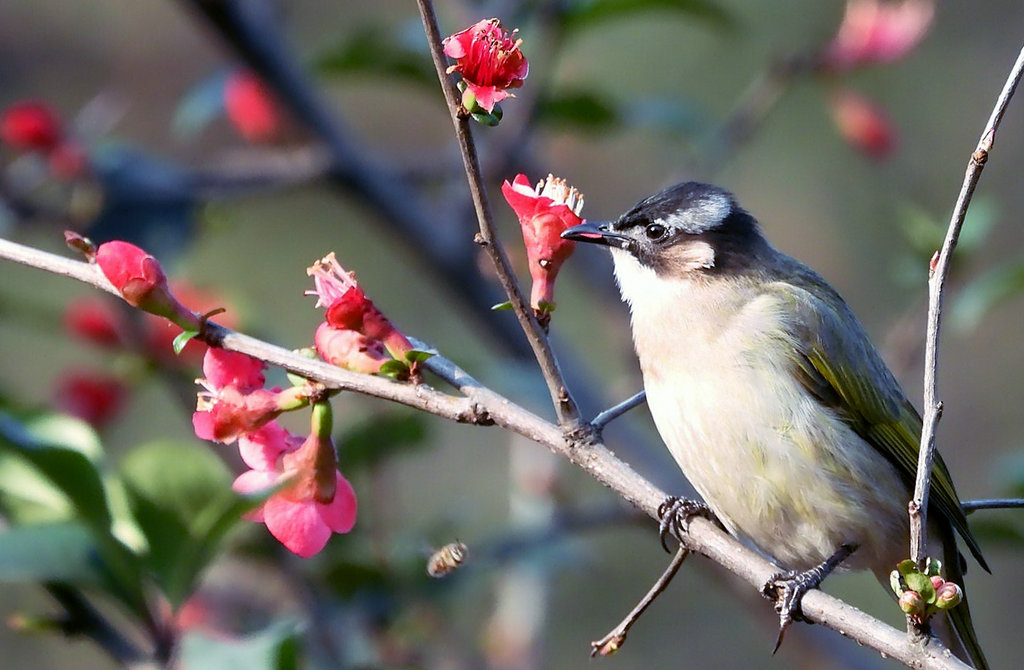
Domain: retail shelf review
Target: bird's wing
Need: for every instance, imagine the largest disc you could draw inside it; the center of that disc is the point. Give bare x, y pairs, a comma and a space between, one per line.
836, 362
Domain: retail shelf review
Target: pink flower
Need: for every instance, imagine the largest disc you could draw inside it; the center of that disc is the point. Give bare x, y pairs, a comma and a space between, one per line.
875, 33
234, 402
348, 308
863, 124
349, 349
316, 499
544, 212
92, 396
489, 60
31, 126
251, 108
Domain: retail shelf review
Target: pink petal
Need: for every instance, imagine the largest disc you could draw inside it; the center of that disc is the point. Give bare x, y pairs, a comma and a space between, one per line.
254, 481
487, 96
340, 513
229, 368
296, 525
261, 448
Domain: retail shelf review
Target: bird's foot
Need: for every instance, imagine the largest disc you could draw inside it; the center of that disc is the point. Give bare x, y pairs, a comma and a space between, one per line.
674, 515
787, 589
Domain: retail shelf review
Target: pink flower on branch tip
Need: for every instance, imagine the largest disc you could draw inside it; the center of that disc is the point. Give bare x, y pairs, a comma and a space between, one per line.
141, 281
863, 124
314, 500
544, 212
489, 60
348, 308
235, 402
875, 32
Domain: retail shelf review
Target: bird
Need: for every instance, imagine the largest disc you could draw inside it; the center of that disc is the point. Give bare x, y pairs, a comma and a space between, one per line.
772, 399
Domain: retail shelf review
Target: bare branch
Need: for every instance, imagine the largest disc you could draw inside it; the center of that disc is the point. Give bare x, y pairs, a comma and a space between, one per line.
614, 412
565, 406
936, 285
993, 503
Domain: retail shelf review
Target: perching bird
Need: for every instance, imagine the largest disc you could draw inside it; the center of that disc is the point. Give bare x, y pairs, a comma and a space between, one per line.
772, 399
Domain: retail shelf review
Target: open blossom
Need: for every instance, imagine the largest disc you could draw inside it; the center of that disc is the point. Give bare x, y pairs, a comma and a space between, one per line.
235, 402
348, 308
544, 212
315, 501
489, 60
877, 32
863, 124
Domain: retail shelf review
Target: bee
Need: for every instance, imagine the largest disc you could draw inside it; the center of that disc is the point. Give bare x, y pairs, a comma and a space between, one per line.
447, 559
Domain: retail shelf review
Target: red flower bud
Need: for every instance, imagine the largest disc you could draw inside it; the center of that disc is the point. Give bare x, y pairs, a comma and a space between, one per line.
912, 603
489, 60
30, 126
948, 596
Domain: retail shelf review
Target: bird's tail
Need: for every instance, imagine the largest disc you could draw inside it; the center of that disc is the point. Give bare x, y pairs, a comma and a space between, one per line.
959, 618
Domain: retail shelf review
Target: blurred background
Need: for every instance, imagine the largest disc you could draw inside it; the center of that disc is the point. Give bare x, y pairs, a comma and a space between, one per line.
237, 192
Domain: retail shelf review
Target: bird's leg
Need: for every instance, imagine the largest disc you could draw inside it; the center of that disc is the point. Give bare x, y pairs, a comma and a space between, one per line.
787, 589
674, 514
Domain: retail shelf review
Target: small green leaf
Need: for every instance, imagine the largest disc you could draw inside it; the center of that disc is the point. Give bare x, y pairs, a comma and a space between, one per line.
375, 51
579, 110
394, 369
502, 306
183, 339
487, 119
545, 306
917, 580
418, 356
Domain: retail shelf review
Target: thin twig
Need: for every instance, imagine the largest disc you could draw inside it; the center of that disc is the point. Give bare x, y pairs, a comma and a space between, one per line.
565, 406
992, 503
918, 506
484, 406
614, 412
610, 643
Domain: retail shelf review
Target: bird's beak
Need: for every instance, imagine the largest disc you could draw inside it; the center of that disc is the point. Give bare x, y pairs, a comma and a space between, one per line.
596, 233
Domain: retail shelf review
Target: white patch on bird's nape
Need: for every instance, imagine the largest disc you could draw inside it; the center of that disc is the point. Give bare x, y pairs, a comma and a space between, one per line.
702, 214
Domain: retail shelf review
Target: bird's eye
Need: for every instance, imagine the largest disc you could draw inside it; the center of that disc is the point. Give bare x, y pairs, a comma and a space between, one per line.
655, 231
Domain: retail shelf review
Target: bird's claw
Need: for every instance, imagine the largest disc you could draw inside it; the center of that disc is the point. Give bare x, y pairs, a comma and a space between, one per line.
674, 515
787, 589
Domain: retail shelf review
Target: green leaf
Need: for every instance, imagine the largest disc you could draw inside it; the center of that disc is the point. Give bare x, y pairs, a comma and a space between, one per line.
545, 306
418, 356
28, 496
485, 118
183, 339
502, 306
274, 648
989, 290
379, 438
63, 450
50, 552
394, 369
917, 580
580, 13
579, 110
375, 51
180, 494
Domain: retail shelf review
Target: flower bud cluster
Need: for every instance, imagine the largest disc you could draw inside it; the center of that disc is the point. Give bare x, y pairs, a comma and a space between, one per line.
922, 594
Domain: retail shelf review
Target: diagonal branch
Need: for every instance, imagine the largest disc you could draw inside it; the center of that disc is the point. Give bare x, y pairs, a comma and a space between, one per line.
936, 285
484, 406
565, 406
